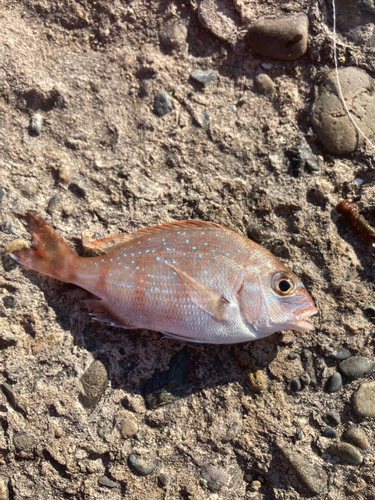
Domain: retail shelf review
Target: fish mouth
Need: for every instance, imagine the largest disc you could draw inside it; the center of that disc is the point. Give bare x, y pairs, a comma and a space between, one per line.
300, 319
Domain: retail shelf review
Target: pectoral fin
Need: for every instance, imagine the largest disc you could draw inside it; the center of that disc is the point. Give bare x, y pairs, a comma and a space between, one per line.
204, 297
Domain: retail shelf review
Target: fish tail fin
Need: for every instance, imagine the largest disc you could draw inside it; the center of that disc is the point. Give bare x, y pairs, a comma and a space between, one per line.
49, 253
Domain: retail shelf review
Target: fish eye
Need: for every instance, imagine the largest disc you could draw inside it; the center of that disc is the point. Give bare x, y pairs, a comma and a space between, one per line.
283, 284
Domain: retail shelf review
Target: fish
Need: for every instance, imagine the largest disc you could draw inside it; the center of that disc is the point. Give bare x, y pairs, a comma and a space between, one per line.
191, 280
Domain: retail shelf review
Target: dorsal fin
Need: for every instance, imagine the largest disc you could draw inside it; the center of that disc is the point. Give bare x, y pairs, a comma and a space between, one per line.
107, 244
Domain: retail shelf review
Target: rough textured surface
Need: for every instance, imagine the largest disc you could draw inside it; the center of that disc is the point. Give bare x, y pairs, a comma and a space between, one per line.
330, 120
92, 70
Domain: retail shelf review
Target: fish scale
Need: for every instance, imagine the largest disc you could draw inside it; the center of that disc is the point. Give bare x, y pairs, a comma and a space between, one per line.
192, 280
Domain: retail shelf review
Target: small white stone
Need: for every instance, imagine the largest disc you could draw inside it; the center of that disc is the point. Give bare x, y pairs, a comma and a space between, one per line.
358, 181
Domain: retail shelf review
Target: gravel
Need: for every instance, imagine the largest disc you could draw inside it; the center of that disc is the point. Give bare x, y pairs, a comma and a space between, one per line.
141, 466
203, 77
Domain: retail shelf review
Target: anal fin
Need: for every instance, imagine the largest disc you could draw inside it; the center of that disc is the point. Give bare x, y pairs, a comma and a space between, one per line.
100, 313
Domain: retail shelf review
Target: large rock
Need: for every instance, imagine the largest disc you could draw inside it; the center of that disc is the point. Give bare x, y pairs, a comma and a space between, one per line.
330, 120
284, 38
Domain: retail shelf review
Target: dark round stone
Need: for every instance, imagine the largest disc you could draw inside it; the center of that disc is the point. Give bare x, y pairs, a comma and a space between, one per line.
356, 367
334, 382
341, 355
330, 433
331, 418
295, 385
162, 104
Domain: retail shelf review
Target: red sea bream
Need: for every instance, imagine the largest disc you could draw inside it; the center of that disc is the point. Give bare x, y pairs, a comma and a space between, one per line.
192, 280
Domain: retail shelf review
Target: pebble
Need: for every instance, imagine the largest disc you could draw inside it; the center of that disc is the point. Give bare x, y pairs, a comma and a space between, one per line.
264, 84
8, 263
78, 188
168, 386
301, 156
59, 432
23, 441
80, 136
173, 37
369, 312
312, 475
162, 480
334, 383
2, 194
340, 355
64, 173
257, 379
8, 302
331, 418
293, 355
267, 65
220, 18
7, 227
357, 437
346, 452
203, 77
339, 136
243, 357
363, 400
101, 215
295, 385
94, 382
299, 434
4, 490
284, 38
255, 485
330, 433
258, 233
30, 188
305, 379
142, 467
356, 367
129, 429
162, 104
54, 203
11, 396
105, 481
36, 125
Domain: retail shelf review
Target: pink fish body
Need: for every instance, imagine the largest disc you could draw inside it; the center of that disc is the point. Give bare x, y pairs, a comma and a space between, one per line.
196, 281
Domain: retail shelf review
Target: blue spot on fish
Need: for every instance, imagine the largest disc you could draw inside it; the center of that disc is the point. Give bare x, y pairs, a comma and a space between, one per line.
187, 241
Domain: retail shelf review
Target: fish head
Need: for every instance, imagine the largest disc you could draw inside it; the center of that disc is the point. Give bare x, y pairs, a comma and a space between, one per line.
271, 301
